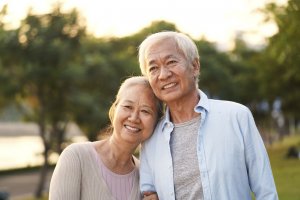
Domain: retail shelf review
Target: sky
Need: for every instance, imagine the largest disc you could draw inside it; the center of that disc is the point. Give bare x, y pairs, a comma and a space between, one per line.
218, 21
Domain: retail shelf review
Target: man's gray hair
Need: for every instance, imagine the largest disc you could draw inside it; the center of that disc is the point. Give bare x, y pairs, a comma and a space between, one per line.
184, 44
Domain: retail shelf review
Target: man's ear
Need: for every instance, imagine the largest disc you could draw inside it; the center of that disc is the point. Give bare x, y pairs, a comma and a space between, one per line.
196, 67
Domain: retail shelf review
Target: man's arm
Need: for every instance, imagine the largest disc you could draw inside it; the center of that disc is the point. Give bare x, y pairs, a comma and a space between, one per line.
258, 165
146, 179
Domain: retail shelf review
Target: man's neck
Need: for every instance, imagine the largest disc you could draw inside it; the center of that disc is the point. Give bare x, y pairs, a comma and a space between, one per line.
183, 110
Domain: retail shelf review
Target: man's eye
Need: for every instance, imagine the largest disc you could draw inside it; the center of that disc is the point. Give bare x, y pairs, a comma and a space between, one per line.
151, 69
171, 62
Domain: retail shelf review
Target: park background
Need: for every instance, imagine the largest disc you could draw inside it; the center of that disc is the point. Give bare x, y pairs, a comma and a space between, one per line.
59, 73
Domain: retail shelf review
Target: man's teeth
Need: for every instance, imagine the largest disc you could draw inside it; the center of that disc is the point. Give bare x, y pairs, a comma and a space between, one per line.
132, 128
169, 85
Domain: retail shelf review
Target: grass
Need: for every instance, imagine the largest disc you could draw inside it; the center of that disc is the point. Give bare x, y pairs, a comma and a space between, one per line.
43, 198
286, 171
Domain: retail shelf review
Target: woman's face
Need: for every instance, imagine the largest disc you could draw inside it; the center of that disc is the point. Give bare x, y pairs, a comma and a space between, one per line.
135, 115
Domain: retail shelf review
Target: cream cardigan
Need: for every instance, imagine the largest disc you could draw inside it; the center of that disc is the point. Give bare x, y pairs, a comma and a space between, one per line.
77, 176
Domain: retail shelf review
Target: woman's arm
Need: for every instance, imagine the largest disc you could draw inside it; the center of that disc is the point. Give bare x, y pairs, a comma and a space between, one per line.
66, 179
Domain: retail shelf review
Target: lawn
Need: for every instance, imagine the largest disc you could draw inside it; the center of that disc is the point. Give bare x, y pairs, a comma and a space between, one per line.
286, 171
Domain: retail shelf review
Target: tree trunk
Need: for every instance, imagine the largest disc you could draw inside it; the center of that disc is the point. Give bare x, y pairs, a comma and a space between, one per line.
43, 174
42, 132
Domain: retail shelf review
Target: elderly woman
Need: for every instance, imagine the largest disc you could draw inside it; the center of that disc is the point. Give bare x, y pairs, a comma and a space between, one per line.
107, 169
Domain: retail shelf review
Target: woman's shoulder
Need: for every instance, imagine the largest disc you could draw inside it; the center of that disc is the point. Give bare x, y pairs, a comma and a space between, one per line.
78, 145
78, 148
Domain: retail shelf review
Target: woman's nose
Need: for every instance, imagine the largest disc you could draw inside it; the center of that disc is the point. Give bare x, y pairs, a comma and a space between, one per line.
134, 116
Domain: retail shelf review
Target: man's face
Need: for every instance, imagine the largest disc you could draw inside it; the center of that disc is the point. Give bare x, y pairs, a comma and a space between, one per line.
171, 75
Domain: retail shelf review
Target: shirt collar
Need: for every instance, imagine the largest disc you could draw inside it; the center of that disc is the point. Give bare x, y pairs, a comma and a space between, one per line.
203, 103
201, 107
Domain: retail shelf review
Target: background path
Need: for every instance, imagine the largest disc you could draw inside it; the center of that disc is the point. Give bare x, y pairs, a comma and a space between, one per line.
22, 185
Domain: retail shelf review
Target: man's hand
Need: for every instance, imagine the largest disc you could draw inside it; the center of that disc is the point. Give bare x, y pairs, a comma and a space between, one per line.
150, 196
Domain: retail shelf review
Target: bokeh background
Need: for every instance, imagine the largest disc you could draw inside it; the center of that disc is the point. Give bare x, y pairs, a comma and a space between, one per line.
61, 63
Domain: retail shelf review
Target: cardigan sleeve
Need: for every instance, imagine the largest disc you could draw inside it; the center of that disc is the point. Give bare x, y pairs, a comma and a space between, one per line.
65, 182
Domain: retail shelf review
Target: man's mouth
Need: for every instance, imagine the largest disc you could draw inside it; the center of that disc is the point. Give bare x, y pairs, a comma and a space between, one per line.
169, 86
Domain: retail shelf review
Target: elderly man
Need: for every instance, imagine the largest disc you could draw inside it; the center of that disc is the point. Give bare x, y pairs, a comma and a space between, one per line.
202, 148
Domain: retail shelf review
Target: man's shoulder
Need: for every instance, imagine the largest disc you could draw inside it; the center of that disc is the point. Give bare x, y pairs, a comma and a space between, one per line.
227, 106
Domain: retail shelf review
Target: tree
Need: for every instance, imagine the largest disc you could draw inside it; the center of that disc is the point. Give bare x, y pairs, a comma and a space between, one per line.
105, 64
47, 50
106, 60
8, 76
244, 73
281, 60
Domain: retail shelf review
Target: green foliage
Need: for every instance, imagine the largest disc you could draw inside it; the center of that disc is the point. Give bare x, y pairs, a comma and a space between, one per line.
107, 62
62, 74
46, 48
280, 75
155, 26
38, 69
8, 76
215, 74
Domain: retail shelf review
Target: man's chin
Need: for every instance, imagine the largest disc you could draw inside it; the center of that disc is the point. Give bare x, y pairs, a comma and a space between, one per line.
168, 98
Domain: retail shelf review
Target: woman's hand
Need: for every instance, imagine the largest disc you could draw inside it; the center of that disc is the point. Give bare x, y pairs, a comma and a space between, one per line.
150, 196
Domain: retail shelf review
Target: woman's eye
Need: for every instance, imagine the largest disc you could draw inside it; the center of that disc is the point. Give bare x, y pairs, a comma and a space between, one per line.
127, 106
146, 111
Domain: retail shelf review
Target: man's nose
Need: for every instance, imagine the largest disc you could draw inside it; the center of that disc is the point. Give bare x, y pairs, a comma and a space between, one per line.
164, 73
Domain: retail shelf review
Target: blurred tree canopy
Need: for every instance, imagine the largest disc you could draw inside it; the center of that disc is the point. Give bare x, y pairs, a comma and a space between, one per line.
280, 60
41, 67
8, 76
53, 67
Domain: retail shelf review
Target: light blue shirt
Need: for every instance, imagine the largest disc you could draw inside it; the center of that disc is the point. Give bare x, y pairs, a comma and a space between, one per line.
232, 157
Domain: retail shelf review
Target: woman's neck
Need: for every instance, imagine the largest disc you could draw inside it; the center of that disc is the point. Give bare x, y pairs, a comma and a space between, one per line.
116, 157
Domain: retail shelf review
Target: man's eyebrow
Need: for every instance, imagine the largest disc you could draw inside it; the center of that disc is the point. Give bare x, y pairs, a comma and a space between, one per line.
152, 61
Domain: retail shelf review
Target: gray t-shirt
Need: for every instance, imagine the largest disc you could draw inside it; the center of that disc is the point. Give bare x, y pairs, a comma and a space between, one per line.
187, 180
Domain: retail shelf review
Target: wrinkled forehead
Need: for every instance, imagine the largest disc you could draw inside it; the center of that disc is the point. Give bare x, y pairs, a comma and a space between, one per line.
128, 86
162, 48
157, 45
138, 93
